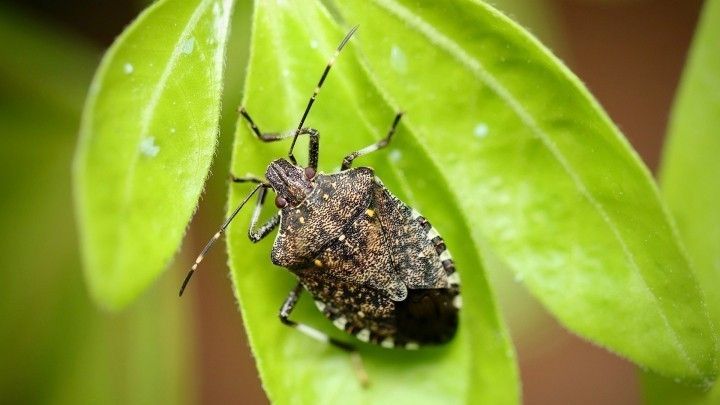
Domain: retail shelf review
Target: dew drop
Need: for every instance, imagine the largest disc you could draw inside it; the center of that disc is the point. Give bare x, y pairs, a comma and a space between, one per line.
128, 68
395, 156
187, 46
148, 146
397, 59
481, 130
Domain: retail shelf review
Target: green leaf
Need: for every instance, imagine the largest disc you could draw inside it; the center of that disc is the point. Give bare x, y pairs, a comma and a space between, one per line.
538, 17
290, 47
146, 141
691, 186
525, 317
690, 182
659, 390
544, 176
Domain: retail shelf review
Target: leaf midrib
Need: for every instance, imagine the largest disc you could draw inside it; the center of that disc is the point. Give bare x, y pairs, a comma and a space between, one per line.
145, 120
477, 69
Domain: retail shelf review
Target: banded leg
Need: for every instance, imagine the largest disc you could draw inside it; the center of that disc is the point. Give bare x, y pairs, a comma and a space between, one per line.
256, 234
347, 162
285, 310
217, 236
313, 147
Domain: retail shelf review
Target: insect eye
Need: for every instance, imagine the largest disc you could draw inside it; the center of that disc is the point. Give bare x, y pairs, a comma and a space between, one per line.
280, 202
309, 173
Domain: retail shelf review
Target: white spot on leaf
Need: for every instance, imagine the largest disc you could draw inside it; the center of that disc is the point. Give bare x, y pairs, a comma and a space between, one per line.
397, 59
128, 68
481, 130
313, 43
395, 156
148, 147
187, 46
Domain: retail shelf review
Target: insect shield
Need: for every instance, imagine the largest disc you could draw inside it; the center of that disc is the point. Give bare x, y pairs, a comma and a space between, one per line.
375, 267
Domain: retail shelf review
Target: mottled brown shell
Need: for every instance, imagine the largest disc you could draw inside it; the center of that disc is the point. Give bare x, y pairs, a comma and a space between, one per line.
375, 267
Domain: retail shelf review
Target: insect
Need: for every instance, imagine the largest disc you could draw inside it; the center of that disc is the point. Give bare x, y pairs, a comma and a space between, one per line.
375, 267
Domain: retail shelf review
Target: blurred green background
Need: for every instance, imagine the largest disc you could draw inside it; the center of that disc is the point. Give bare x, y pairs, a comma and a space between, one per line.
56, 347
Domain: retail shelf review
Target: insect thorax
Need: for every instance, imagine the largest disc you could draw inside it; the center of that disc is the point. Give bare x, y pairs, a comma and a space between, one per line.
333, 202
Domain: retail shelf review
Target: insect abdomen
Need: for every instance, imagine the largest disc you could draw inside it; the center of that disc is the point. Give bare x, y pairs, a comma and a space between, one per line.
387, 278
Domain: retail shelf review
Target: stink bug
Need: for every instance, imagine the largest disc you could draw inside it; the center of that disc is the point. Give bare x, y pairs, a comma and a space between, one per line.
375, 267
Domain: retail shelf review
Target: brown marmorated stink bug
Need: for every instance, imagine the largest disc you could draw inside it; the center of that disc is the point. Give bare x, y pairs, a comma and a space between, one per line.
375, 267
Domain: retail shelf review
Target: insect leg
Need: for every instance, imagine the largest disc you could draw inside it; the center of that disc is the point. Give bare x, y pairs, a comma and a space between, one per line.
256, 234
217, 235
263, 136
285, 310
314, 144
347, 162
247, 179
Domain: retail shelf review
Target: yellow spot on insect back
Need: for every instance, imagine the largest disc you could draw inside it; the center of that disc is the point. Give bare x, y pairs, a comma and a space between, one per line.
302, 220
370, 212
318, 263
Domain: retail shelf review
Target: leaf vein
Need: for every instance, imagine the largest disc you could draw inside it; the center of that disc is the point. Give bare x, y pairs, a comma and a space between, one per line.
145, 120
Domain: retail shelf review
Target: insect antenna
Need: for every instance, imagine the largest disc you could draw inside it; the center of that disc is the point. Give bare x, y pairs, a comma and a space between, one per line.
215, 237
317, 90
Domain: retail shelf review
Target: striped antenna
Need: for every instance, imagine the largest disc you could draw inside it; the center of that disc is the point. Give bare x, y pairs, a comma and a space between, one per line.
317, 90
215, 237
